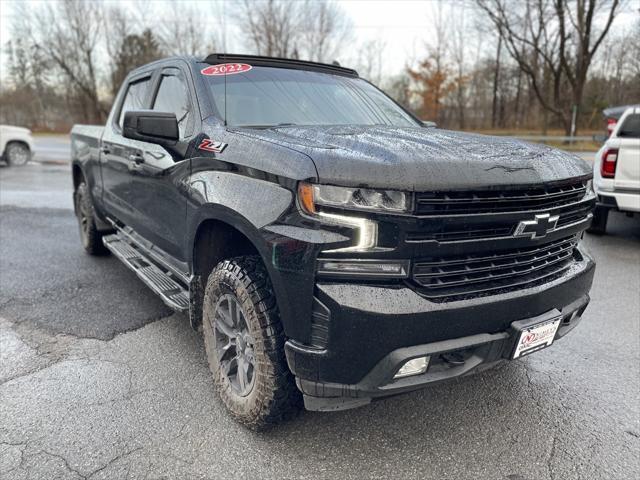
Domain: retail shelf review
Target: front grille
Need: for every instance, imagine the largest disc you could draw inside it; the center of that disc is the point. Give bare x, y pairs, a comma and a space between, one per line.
460, 233
459, 216
574, 214
482, 201
480, 274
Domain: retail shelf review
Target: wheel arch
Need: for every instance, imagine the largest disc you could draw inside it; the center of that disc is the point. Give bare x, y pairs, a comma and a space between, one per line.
216, 240
218, 234
17, 140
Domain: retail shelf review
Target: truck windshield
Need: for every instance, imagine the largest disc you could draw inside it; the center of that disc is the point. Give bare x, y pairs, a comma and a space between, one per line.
266, 97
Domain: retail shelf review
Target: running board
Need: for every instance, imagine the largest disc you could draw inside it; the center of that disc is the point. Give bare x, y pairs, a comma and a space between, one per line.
158, 279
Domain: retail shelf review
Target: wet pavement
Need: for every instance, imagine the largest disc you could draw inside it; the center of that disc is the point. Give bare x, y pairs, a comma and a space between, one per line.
98, 379
51, 148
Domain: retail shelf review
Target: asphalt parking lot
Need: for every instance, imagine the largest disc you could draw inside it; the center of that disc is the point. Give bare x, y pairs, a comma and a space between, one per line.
100, 380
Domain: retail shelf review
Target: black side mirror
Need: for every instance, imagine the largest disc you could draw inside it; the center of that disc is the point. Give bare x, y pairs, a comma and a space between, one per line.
428, 124
160, 128
150, 126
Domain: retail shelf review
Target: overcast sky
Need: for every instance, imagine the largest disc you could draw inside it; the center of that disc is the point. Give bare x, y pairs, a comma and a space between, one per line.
403, 25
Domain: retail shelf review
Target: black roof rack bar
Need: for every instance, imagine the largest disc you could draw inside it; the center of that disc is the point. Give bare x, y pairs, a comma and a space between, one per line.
216, 58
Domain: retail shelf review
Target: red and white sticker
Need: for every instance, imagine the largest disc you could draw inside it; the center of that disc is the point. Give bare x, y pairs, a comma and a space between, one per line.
209, 145
226, 69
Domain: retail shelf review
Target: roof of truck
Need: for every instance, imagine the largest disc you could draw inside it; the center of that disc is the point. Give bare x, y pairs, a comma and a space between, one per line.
263, 61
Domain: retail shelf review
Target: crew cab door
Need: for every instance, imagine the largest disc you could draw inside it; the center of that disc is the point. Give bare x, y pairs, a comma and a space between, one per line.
117, 153
627, 140
142, 181
159, 181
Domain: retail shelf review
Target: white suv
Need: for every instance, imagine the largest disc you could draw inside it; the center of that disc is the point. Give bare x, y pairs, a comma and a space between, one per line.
616, 171
16, 145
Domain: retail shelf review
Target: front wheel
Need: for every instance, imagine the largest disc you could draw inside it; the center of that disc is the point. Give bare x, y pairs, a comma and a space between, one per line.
244, 341
17, 154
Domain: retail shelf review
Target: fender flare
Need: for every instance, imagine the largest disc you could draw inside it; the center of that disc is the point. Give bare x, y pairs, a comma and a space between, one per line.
228, 216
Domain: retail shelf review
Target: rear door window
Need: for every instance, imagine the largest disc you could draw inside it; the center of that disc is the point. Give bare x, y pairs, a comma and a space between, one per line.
630, 128
173, 97
134, 98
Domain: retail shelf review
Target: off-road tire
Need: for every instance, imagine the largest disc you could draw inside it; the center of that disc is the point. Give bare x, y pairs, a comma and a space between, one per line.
274, 395
599, 222
90, 237
17, 154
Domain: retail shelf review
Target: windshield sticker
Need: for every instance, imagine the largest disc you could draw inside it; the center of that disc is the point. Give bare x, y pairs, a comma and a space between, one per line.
210, 146
226, 69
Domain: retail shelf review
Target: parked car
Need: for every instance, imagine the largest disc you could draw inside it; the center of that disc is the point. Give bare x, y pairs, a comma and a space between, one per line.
16, 145
616, 171
331, 248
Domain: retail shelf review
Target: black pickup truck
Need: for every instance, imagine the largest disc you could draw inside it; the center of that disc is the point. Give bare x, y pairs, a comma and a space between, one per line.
332, 248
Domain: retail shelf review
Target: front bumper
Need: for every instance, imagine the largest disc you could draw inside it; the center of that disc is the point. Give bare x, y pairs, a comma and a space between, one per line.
372, 331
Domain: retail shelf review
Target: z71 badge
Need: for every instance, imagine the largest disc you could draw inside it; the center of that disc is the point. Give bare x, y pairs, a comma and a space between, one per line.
209, 145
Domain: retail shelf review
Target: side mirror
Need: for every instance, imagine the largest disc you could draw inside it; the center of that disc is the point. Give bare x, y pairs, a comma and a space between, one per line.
428, 124
150, 126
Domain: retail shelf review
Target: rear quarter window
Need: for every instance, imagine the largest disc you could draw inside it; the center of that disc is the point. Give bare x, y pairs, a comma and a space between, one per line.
630, 127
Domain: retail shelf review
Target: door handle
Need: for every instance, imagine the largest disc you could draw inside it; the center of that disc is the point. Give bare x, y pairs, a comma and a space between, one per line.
105, 150
136, 158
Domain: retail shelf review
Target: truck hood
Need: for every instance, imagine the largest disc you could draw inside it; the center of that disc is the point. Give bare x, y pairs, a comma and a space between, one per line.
423, 159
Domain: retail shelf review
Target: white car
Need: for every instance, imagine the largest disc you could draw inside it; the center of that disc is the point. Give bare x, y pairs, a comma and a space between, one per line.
16, 145
616, 171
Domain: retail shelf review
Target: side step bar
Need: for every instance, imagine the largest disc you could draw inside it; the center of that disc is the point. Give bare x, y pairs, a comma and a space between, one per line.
159, 279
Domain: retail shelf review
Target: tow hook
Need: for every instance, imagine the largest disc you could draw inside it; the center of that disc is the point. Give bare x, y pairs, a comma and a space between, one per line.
453, 358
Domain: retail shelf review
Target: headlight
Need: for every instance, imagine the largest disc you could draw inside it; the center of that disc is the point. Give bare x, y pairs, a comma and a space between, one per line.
312, 195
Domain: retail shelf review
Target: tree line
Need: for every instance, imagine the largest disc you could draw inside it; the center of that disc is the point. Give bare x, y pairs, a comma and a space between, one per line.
488, 64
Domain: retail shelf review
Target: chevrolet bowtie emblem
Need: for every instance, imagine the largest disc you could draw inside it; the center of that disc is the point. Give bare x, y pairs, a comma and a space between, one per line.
538, 227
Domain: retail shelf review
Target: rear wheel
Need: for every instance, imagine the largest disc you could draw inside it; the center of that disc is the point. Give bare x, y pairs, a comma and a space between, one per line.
89, 235
244, 341
599, 222
17, 154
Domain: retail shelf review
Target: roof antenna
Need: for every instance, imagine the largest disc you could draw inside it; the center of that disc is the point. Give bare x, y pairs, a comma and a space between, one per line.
224, 65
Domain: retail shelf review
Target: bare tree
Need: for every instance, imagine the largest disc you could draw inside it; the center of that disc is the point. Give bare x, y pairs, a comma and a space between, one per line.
563, 35
458, 47
370, 60
118, 26
496, 82
273, 26
324, 29
68, 33
310, 29
179, 33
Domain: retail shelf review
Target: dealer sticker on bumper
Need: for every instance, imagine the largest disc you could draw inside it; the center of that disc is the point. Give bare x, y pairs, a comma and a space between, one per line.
536, 337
